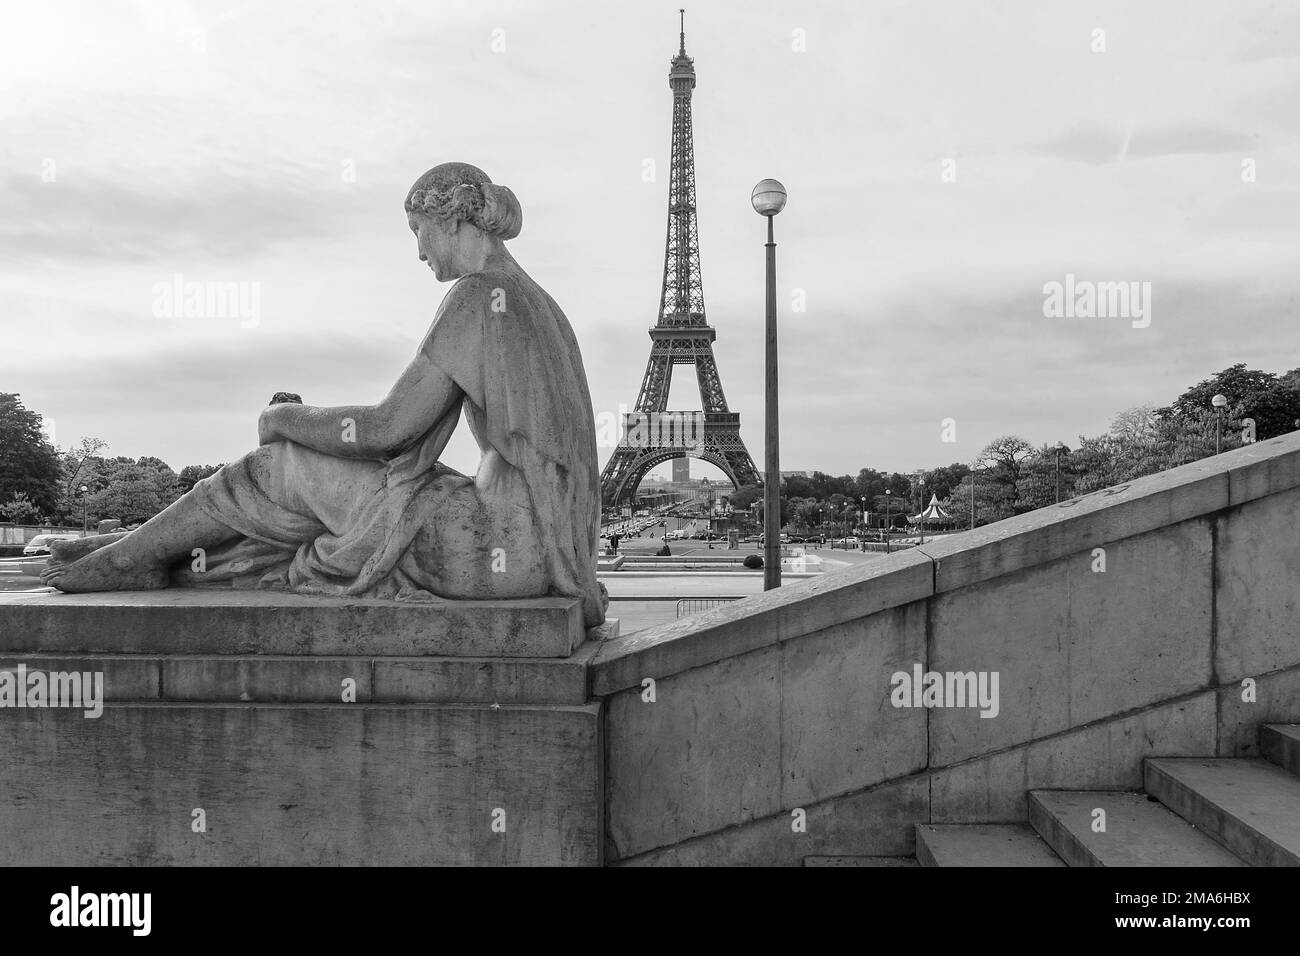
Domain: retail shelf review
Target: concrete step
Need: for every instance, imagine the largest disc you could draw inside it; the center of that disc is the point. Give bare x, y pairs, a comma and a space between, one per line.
1249, 805
859, 861
981, 845
1139, 831
1280, 743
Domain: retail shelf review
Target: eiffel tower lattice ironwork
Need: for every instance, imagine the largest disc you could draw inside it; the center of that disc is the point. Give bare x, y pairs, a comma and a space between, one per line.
652, 434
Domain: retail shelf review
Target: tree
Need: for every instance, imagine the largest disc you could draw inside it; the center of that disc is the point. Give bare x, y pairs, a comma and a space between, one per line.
1273, 402
1036, 486
1276, 411
1136, 426
990, 501
28, 463
869, 484
1001, 462
1097, 464
891, 508
73, 461
784, 511
797, 486
803, 513
133, 491
746, 495
20, 510
1236, 382
191, 475
941, 481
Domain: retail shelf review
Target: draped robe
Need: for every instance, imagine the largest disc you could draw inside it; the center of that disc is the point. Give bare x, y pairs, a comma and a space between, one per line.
409, 528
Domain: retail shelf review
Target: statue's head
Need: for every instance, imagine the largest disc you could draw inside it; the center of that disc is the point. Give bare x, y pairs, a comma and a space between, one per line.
455, 210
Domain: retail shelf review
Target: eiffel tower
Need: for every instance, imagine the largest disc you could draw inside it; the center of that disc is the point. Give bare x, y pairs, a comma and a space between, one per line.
682, 336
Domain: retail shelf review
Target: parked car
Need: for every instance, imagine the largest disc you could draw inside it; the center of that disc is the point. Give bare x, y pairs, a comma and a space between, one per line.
41, 543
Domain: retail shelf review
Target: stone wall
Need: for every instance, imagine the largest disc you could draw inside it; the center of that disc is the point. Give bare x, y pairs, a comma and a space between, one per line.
246, 728
328, 731
778, 709
19, 534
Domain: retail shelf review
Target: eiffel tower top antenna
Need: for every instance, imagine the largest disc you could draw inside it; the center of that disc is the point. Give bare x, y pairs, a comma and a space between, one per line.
682, 52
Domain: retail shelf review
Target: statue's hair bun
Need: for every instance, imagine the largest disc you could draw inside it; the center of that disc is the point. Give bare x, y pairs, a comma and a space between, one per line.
463, 193
501, 215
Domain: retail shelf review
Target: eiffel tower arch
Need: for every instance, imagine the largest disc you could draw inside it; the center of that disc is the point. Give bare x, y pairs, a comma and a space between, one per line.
652, 433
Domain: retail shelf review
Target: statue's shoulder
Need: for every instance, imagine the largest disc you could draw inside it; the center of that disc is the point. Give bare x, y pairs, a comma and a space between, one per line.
500, 291
468, 297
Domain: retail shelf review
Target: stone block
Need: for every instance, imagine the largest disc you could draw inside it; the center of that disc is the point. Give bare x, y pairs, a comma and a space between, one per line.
267, 679
704, 755
301, 785
879, 821
222, 621
1103, 756
1071, 645
1257, 587
1276, 700
125, 678
839, 732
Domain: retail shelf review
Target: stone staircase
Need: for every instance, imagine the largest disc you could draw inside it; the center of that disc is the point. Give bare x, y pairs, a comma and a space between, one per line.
1195, 811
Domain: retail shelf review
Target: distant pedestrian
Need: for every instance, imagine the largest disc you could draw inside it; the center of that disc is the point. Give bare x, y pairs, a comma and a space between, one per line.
613, 543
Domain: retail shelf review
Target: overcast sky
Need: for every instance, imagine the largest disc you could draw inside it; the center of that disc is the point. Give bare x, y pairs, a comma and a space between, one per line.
273, 143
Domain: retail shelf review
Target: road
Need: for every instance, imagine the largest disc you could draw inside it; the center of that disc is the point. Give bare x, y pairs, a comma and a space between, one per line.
645, 599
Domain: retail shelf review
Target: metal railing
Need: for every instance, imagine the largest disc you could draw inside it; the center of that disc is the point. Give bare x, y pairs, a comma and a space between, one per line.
694, 605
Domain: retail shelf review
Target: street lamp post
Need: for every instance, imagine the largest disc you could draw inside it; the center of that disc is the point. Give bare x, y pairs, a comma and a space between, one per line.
889, 498
1060, 447
920, 485
972, 499
85, 529
1220, 402
768, 199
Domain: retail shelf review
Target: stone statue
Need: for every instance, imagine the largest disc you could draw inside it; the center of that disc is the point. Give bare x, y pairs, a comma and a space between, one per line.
353, 501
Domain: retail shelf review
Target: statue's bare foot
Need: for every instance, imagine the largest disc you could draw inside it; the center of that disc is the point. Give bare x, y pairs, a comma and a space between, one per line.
65, 552
104, 569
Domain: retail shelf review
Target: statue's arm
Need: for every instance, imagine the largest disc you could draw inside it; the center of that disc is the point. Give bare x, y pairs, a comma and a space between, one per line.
422, 395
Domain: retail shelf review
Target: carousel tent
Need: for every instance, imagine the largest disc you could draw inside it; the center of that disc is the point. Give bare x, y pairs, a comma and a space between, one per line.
931, 514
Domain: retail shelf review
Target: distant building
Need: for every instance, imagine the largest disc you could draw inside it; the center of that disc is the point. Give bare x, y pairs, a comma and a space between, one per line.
796, 474
681, 470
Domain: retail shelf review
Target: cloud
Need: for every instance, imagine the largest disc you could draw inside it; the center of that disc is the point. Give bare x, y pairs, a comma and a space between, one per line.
1098, 145
221, 161
103, 218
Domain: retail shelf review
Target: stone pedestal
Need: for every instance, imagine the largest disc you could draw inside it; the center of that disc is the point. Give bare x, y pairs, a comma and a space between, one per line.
264, 728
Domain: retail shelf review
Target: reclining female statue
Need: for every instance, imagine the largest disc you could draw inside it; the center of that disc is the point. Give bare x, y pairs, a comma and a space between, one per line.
353, 500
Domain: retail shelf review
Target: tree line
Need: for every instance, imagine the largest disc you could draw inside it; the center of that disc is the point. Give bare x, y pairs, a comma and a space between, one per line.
41, 484
1011, 475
